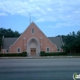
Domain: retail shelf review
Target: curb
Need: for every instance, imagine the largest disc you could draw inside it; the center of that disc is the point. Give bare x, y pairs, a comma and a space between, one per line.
48, 57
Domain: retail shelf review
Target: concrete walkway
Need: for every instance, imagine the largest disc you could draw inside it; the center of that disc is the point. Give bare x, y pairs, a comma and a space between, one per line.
45, 57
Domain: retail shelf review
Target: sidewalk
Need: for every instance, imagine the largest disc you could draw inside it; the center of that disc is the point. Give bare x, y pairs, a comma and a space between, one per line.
45, 57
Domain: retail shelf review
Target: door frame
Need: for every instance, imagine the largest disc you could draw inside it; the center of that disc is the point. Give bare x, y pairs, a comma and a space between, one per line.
33, 51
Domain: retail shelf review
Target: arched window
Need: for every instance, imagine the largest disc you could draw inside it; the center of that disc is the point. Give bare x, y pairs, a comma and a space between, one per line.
32, 31
47, 49
18, 50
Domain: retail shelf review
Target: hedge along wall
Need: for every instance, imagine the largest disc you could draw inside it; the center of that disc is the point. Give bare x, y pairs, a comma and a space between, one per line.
23, 54
53, 54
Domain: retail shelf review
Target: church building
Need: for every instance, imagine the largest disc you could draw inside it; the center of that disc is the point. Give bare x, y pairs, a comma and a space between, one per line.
32, 41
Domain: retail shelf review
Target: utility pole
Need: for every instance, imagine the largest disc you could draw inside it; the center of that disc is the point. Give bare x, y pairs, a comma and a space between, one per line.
30, 18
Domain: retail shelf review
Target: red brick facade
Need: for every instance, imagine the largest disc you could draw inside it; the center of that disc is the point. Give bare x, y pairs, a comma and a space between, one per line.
36, 35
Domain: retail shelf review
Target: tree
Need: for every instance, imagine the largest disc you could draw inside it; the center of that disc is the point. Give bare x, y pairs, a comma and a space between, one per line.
7, 33
71, 42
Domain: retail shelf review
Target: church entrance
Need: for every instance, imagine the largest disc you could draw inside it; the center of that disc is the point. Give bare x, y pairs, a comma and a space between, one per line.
33, 51
33, 47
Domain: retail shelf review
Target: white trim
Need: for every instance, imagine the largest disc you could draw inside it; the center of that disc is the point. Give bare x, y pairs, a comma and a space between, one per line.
33, 38
28, 49
47, 48
17, 49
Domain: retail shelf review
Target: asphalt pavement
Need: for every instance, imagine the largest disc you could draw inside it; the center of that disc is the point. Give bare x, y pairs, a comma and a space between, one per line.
39, 69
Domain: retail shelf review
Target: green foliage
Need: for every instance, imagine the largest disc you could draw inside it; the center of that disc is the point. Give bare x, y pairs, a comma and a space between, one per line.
71, 42
53, 54
8, 33
23, 54
74, 54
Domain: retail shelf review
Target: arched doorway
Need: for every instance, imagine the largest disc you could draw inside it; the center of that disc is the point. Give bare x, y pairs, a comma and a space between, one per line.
33, 47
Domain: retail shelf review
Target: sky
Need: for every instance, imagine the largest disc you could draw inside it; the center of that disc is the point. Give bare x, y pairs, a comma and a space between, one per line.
53, 17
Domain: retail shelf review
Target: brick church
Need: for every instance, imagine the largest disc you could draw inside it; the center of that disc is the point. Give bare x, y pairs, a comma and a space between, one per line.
32, 41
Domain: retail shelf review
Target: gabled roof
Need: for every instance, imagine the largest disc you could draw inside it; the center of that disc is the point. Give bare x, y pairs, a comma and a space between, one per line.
56, 40
10, 41
31, 25
7, 42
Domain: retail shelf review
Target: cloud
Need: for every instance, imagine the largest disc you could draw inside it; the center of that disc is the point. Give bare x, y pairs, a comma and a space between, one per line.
65, 24
56, 26
43, 10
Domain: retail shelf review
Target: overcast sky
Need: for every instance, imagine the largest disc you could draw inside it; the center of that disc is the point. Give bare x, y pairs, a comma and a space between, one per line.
53, 17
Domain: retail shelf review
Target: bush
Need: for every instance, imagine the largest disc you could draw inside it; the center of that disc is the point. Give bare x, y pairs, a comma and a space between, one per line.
74, 54
23, 54
43, 53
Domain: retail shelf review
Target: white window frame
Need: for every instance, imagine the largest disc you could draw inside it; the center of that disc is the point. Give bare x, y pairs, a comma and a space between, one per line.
32, 31
47, 48
17, 50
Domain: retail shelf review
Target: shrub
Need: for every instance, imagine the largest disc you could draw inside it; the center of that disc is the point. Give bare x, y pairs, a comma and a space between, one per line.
74, 54
23, 54
43, 53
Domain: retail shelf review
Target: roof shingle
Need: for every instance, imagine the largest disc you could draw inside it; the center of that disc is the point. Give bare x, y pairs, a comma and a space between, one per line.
7, 42
57, 41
